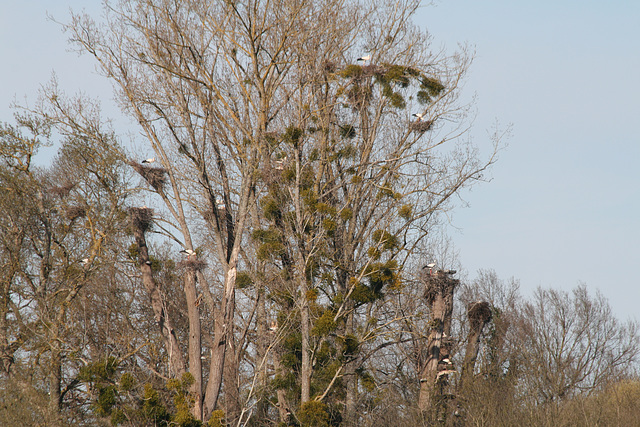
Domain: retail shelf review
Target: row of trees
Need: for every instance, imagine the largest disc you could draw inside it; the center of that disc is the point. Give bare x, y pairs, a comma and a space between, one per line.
303, 194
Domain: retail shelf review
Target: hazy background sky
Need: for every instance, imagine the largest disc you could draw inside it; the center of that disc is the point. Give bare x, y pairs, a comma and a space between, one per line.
563, 206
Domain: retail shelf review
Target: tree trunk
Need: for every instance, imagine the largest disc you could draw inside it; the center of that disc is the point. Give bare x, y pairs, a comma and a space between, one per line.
305, 368
284, 411
479, 314
223, 326
439, 294
55, 383
141, 218
195, 345
350, 377
231, 386
262, 406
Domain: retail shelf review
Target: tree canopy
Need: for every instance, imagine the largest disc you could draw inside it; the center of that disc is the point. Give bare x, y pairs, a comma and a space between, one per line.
262, 265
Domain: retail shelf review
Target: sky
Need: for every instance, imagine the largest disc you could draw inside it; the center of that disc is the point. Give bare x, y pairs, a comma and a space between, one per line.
562, 206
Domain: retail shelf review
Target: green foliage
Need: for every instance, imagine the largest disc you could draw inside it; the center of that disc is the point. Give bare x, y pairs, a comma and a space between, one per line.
396, 99
98, 372
312, 294
385, 239
374, 252
271, 207
351, 71
350, 345
324, 324
217, 419
292, 135
367, 381
348, 151
127, 381
133, 251
429, 88
314, 414
396, 74
106, 400
118, 417
292, 347
380, 274
243, 280
271, 243
325, 357
347, 132
326, 209
423, 97
363, 294
329, 225
346, 214
405, 212
114, 398
310, 199
432, 85
152, 407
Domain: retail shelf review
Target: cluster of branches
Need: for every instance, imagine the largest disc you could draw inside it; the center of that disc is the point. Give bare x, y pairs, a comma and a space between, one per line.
295, 180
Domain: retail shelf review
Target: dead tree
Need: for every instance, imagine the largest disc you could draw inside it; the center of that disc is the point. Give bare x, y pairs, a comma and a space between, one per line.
439, 289
141, 221
479, 314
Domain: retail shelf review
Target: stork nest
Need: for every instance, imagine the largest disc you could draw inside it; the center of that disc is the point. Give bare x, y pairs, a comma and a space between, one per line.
421, 126
141, 218
373, 70
437, 283
479, 313
329, 67
155, 176
192, 264
75, 212
62, 191
359, 96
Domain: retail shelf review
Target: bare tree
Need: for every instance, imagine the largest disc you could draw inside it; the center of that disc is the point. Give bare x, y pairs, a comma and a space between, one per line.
70, 221
573, 343
261, 119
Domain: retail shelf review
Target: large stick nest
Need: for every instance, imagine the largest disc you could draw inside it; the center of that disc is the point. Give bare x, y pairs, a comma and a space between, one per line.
479, 313
62, 191
192, 264
437, 283
155, 176
421, 126
75, 212
141, 218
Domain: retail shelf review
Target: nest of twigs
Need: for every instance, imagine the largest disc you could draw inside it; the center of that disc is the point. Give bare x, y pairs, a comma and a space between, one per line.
421, 126
155, 176
329, 67
141, 218
437, 283
359, 96
75, 212
373, 70
192, 264
479, 313
62, 190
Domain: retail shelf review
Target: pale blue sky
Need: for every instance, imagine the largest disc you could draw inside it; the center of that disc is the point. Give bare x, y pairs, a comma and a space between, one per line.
563, 206
564, 203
